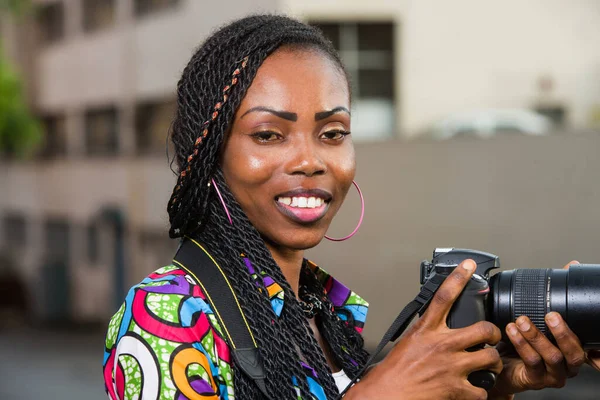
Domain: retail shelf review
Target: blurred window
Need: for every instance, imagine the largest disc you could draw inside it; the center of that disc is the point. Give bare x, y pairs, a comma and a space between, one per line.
101, 126
98, 14
152, 123
368, 52
143, 7
57, 240
51, 22
55, 136
14, 231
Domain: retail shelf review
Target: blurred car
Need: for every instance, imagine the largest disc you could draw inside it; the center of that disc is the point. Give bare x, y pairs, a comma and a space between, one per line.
490, 122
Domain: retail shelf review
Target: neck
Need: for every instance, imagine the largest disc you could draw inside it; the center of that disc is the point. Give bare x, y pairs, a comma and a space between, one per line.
290, 263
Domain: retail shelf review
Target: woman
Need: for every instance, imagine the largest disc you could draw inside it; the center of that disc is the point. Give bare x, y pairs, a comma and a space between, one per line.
265, 157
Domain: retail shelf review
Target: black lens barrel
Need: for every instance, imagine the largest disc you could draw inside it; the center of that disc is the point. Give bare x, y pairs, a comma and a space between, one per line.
574, 293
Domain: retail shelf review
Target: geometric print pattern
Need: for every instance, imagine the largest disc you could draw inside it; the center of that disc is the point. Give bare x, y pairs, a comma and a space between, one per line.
165, 342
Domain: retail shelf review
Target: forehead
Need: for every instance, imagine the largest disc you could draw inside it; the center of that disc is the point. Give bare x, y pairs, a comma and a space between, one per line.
293, 79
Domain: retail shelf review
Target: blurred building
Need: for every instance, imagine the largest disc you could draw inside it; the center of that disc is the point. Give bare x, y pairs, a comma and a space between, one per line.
86, 218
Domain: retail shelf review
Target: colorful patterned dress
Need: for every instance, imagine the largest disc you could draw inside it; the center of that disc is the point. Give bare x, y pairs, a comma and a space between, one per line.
164, 342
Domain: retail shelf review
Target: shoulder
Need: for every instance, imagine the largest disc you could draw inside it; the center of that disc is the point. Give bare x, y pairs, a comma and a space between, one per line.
349, 305
165, 341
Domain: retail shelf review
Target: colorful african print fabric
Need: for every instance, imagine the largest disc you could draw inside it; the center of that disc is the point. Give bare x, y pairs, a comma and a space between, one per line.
165, 342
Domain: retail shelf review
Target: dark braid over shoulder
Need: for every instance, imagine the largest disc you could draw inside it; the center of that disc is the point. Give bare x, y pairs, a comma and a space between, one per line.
208, 94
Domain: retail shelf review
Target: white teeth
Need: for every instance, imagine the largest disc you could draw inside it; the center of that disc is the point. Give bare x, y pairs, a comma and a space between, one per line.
285, 200
302, 202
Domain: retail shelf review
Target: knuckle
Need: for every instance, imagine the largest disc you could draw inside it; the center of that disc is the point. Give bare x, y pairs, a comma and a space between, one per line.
533, 360
555, 358
578, 359
493, 355
487, 330
475, 393
444, 345
443, 297
458, 276
480, 394
560, 334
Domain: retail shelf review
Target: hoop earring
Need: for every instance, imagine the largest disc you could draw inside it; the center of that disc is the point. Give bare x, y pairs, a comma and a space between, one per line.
362, 214
222, 201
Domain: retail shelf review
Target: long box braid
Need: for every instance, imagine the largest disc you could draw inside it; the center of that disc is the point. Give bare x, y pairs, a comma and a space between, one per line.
208, 94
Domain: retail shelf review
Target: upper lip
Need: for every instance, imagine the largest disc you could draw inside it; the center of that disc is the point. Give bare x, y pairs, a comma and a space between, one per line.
303, 192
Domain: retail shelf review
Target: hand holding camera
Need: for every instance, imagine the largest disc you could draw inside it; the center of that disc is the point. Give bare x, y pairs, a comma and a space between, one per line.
536, 362
430, 361
539, 348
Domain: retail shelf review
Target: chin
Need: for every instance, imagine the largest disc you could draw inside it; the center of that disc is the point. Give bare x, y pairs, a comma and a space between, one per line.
299, 240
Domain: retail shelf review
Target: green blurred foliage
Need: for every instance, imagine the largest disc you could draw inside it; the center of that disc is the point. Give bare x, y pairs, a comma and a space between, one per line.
16, 7
20, 132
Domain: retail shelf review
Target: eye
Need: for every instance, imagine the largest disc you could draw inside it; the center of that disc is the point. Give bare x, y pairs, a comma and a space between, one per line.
335, 134
266, 136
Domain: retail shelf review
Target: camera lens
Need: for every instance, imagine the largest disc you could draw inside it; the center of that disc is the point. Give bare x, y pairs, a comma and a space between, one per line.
573, 293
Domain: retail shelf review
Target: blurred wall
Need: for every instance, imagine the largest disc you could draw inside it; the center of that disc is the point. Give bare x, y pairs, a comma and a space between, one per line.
464, 54
533, 201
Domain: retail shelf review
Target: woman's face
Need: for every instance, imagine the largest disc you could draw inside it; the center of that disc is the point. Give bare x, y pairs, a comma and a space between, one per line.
289, 160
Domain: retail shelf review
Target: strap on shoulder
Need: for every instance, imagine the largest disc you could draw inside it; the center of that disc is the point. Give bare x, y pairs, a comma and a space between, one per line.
193, 257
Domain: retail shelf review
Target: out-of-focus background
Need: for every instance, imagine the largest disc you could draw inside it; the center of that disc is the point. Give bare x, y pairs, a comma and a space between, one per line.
476, 125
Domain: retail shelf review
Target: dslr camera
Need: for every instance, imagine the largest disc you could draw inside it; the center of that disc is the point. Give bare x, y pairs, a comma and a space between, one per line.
503, 297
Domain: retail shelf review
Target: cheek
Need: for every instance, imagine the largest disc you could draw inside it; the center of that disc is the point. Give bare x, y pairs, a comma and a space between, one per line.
346, 169
244, 170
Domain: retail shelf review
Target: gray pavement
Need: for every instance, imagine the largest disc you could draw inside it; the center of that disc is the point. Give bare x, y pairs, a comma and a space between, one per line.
67, 364
50, 365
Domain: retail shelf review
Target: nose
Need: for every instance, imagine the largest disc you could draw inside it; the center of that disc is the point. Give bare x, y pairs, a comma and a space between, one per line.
306, 159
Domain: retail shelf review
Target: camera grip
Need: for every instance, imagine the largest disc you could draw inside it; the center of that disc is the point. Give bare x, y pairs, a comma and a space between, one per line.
469, 309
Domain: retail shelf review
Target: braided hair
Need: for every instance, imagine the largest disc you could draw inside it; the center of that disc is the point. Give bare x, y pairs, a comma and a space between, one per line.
208, 94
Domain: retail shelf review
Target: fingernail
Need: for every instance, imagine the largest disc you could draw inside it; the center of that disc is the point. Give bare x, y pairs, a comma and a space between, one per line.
552, 319
512, 330
523, 324
469, 265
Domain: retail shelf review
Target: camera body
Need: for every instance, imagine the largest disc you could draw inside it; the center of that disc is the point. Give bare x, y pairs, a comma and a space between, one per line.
470, 307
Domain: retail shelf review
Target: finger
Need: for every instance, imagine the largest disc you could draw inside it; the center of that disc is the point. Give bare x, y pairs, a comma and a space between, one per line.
574, 262
471, 392
567, 342
533, 361
446, 295
487, 359
482, 332
552, 356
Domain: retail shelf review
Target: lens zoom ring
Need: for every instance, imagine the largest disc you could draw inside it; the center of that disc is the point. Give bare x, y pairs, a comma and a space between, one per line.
529, 294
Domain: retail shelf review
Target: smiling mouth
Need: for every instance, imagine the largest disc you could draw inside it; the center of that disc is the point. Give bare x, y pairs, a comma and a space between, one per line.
304, 206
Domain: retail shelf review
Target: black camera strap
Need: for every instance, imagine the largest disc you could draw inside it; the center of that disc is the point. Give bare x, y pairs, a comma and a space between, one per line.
194, 259
417, 306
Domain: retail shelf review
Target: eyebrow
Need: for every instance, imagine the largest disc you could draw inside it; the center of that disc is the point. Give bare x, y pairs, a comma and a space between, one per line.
290, 116
326, 114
